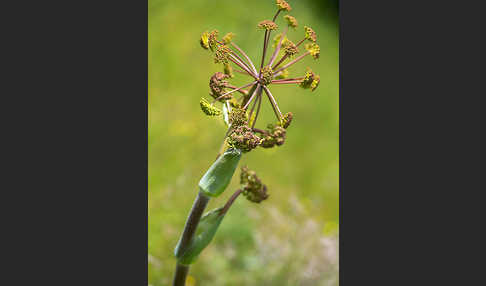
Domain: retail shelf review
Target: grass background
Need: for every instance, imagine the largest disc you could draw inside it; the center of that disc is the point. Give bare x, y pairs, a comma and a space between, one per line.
289, 239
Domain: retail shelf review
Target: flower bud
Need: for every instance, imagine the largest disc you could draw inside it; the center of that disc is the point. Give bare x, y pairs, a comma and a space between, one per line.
311, 80
219, 175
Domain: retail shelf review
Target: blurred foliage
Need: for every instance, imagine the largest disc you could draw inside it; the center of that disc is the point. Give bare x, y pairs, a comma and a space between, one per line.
289, 239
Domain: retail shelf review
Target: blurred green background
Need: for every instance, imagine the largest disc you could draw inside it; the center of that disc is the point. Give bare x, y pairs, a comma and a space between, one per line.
289, 239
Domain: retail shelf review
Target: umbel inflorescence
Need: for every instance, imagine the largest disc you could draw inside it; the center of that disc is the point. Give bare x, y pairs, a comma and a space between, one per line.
241, 105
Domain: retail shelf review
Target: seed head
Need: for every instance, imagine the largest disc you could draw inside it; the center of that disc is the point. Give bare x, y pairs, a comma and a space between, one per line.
290, 48
238, 117
267, 75
228, 37
314, 50
217, 84
204, 41
244, 139
208, 109
310, 34
212, 39
253, 188
283, 5
267, 25
291, 21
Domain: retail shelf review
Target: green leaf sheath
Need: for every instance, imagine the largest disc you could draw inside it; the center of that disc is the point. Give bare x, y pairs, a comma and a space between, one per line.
208, 225
219, 175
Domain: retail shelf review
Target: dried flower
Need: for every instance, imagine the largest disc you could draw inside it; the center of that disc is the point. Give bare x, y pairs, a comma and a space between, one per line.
209, 109
253, 188
274, 135
291, 21
283, 5
267, 25
310, 34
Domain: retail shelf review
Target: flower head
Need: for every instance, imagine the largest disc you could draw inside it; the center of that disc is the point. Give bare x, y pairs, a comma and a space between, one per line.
244, 139
311, 80
314, 50
290, 48
287, 119
291, 21
274, 135
209, 109
267, 75
267, 25
283, 5
253, 188
238, 117
221, 54
310, 34
217, 84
